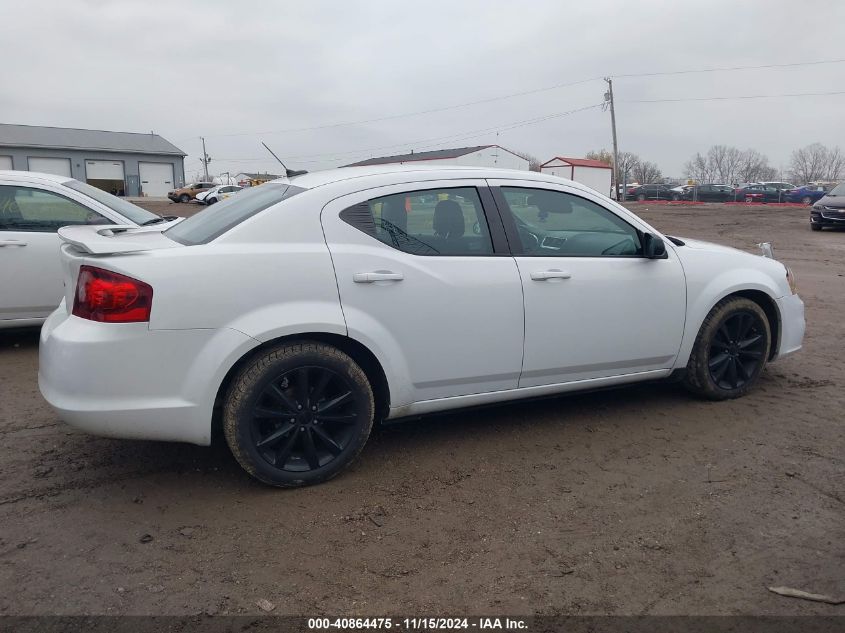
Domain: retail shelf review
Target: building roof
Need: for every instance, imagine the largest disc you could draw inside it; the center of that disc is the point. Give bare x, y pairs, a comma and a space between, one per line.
264, 176
73, 138
438, 154
579, 162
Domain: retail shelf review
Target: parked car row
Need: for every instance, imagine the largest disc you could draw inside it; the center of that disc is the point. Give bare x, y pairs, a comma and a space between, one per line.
746, 192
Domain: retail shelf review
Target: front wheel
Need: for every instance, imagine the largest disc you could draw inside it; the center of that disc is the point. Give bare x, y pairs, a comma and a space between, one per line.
730, 351
641, 197
815, 227
184, 198
209, 201
298, 414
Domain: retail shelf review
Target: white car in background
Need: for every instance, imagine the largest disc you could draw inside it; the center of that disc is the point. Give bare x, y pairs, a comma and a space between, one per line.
33, 207
306, 310
216, 194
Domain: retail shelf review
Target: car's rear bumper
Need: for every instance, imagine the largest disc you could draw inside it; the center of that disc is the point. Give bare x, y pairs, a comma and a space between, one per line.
792, 325
127, 381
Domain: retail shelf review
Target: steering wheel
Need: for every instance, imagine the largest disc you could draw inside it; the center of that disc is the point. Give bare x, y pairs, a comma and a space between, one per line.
618, 244
530, 241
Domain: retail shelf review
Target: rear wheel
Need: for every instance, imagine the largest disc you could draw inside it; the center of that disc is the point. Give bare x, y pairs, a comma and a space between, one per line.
730, 350
641, 197
806, 200
298, 414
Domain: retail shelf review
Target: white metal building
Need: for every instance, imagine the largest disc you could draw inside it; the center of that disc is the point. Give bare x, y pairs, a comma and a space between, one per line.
593, 173
477, 156
123, 163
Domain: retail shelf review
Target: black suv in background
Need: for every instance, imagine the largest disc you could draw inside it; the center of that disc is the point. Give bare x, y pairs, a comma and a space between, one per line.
709, 193
830, 210
649, 192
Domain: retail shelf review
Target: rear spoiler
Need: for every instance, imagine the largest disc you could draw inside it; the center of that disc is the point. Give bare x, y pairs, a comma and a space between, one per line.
113, 239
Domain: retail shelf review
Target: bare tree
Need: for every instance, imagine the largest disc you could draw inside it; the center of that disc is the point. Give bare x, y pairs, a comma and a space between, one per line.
835, 164
533, 162
699, 168
627, 163
601, 155
646, 172
753, 166
811, 163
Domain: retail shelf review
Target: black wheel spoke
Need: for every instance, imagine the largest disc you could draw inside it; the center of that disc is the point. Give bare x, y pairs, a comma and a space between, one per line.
282, 455
343, 417
733, 378
724, 334
748, 342
309, 448
719, 360
276, 392
747, 324
302, 387
742, 371
333, 446
746, 353
276, 435
265, 413
334, 403
720, 372
320, 387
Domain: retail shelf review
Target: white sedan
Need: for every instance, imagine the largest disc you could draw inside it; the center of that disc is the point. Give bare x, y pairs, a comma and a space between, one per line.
217, 193
33, 207
306, 310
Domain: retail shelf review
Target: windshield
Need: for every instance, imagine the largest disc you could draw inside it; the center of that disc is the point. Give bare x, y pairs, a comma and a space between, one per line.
214, 221
128, 210
838, 190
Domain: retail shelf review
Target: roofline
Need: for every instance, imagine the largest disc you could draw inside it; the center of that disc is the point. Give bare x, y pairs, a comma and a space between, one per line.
91, 148
474, 149
565, 160
85, 129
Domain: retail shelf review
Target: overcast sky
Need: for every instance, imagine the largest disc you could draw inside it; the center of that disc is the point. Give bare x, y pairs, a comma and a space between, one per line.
240, 73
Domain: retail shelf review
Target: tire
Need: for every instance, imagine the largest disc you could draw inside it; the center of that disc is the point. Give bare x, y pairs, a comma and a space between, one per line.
676, 197
209, 201
641, 197
724, 362
268, 414
184, 198
806, 201
815, 227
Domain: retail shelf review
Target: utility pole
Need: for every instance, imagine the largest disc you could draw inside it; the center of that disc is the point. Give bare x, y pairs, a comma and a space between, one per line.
608, 97
205, 159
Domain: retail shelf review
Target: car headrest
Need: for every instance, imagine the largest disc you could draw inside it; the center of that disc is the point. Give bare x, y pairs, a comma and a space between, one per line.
449, 219
551, 202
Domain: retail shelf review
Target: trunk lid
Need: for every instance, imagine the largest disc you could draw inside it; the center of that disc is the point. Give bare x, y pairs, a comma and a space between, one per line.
94, 244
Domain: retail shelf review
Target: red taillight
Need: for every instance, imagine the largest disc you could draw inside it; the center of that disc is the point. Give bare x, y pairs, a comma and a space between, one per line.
109, 297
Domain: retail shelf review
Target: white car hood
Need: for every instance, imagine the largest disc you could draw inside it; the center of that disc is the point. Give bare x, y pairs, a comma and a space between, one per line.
709, 246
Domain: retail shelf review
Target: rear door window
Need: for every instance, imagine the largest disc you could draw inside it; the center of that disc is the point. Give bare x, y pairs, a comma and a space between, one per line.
447, 221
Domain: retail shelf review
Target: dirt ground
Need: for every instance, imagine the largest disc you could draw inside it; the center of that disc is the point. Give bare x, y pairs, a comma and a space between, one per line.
635, 501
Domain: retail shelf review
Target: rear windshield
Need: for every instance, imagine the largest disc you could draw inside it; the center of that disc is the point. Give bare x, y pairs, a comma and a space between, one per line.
215, 220
128, 210
838, 190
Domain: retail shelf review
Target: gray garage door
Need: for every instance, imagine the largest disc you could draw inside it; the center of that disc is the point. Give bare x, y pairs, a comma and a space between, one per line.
58, 166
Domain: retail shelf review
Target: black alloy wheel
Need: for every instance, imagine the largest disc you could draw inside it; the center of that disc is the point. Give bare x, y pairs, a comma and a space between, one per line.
304, 419
730, 350
298, 414
736, 350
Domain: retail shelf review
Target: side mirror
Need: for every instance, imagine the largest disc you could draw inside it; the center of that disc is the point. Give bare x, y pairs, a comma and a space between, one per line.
653, 247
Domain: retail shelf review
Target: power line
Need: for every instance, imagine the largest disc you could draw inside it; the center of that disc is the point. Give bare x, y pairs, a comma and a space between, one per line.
530, 92
736, 97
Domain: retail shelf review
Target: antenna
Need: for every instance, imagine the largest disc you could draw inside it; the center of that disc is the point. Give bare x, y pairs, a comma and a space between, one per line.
290, 173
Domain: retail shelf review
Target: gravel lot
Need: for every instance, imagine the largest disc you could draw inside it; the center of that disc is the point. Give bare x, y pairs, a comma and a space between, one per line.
634, 501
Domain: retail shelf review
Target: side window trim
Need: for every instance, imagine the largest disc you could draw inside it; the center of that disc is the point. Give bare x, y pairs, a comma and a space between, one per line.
352, 215
512, 233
